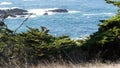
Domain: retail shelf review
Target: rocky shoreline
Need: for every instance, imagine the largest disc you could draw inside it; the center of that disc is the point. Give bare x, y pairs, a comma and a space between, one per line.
21, 12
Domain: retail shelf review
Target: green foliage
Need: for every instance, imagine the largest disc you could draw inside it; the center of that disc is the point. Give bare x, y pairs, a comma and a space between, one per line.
115, 2
105, 43
110, 23
33, 46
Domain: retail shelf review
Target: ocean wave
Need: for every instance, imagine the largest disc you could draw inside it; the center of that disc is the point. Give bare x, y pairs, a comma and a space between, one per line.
8, 8
95, 14
28, 0
22, 17
73, 11
43, 11
5, 3
4, 8
35, 12
39, 12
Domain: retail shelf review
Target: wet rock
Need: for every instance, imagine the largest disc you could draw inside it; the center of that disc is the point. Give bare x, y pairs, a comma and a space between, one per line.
58, 10
45, 13
18, 11
13, 12
2, 11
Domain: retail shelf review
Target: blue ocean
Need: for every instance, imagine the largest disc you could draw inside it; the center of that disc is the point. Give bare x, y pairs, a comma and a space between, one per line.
81, 20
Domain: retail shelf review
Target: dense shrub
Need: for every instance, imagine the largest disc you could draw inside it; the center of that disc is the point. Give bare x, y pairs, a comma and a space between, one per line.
105, 43
34, 45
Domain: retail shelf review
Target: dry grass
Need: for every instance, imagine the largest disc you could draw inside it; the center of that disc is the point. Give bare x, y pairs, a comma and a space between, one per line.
66, 65
89, 65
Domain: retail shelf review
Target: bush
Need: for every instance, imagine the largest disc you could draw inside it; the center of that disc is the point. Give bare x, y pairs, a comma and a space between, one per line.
105, 43
33, 46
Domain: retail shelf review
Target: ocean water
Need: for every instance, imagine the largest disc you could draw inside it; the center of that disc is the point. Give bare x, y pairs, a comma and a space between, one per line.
81, 20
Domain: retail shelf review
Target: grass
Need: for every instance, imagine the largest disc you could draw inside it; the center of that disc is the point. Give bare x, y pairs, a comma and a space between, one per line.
67, 65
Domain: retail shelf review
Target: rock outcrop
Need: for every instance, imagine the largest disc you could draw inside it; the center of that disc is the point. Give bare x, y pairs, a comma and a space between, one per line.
13, 12
21, 12
45, 13
18, 11
58, 10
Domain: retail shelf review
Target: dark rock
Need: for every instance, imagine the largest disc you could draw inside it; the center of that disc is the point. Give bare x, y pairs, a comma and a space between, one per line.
2, 11
14, 12
102, 20
45, 13
17, 11
2, 23
58, 10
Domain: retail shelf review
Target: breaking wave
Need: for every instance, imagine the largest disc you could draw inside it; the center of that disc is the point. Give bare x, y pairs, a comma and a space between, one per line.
95, 14
39, 12
28, 0
5, 3
73, 11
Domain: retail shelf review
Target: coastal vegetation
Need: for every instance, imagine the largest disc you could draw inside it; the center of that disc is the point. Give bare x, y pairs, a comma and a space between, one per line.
38, 46
105, 43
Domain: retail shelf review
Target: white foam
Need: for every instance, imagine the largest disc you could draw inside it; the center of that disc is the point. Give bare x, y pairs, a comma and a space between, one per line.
38, 12
41, 11
94, 14
73, 11
12, 17
28, 0
3, 8
20, 16
14, 7
5, 3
